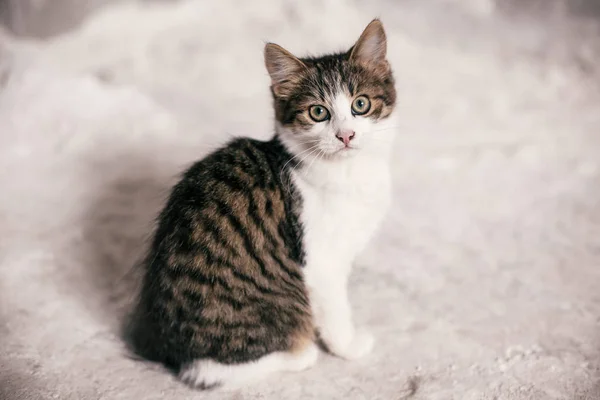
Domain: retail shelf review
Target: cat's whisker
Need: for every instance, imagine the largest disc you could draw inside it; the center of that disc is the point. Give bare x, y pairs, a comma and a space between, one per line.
322, 155
298, 155
315, 158
300, 144
316, 140
303, 152
283, 170
308, 155
300, 162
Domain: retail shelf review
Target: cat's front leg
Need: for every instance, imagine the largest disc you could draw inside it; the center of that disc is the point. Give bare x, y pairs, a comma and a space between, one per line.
333, 317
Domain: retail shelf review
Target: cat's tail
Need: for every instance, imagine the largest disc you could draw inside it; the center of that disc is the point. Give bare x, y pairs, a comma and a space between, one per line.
208, 374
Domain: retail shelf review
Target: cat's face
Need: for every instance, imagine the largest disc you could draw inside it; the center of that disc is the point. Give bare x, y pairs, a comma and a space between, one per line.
336, 105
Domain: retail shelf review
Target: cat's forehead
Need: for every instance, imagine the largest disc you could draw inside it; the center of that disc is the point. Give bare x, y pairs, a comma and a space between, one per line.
329, 77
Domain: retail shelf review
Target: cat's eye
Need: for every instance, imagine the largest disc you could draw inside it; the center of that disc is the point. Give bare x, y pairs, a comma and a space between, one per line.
318, 113
361, 105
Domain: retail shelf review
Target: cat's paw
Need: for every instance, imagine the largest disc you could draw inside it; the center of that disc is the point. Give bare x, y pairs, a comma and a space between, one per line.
304, 359
361, 344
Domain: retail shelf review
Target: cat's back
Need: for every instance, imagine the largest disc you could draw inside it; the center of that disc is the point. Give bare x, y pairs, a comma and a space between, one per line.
240, 166
242, 177
238, 201
227, 253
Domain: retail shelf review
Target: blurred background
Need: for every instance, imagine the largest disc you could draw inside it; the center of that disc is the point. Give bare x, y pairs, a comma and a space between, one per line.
43, 18
482, 284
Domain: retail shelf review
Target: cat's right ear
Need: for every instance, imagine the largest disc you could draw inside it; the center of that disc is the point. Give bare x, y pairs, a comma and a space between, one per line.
371, 48
284, 68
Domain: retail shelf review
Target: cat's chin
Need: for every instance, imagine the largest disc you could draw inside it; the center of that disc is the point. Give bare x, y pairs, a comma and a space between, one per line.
343, 153
346, 152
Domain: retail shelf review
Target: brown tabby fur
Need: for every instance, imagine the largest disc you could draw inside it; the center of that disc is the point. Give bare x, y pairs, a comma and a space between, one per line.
223, 277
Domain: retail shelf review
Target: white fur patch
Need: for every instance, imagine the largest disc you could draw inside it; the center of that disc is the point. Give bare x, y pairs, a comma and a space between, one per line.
345, 195
211, 374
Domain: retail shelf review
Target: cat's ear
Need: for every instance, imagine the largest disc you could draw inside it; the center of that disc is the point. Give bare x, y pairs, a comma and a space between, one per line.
371, 47
284, 68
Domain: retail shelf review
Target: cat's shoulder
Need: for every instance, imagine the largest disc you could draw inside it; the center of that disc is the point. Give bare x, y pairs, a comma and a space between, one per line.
243, 152
244, 161
231, 153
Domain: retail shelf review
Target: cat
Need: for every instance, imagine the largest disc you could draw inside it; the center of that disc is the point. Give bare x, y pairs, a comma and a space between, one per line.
250, 260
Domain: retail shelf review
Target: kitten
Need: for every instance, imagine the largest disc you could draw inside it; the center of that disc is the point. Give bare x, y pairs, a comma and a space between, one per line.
252, 253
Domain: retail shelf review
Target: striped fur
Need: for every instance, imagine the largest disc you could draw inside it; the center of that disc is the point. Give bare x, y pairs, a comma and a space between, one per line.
225, 293
224, 277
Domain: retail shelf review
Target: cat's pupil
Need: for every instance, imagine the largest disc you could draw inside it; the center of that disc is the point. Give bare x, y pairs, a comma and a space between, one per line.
360, 103
319, 110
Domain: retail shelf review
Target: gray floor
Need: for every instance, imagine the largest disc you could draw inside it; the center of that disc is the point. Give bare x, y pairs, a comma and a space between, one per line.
483, 283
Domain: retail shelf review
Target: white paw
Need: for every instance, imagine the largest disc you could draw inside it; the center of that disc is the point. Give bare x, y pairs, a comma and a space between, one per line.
304, 359
360, 345
191, 375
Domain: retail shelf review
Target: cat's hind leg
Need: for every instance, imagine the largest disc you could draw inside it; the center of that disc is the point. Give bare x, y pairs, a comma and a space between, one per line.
209, 374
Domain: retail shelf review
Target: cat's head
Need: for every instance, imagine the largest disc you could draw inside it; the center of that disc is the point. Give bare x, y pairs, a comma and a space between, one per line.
334, 105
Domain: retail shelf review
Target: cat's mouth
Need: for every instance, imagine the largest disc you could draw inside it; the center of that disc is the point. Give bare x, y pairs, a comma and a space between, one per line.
346, 150
340, 151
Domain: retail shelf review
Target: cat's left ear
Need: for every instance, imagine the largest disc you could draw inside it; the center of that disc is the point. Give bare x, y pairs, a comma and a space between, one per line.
371, 48
284, 68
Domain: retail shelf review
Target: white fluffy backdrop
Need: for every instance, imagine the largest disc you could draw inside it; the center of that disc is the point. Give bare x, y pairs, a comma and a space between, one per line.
484, 282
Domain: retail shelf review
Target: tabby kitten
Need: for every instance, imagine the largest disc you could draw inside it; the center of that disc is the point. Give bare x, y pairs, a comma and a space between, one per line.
251, 255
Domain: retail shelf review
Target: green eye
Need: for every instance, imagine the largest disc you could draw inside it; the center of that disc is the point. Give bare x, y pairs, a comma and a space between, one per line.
318, 113
361, 105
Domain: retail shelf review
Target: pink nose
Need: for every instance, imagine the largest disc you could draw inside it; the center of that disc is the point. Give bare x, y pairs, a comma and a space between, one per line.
345, 136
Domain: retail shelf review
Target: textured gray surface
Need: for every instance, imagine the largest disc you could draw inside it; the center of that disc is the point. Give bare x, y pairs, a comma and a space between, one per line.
484, 281
42, 18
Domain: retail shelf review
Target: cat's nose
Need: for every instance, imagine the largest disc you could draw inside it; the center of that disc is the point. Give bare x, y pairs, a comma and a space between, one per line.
345, 136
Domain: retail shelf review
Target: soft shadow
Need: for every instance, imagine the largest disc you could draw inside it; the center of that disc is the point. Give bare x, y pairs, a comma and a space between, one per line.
116, 228
47, 19
584, 8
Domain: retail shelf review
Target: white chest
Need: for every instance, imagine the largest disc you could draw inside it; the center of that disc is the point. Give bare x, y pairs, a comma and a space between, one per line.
342, 208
